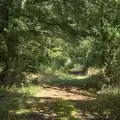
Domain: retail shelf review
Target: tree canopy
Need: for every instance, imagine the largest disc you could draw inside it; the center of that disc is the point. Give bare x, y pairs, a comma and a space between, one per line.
40, 34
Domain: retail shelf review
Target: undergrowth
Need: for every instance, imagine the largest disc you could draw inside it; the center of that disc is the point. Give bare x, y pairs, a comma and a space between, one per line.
108, 103
14, 99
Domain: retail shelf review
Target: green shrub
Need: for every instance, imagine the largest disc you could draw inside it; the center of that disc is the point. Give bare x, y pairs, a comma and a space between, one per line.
108, 103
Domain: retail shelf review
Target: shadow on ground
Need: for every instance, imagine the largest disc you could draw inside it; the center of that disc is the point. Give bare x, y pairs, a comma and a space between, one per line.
94, 82
17, 106
22, 107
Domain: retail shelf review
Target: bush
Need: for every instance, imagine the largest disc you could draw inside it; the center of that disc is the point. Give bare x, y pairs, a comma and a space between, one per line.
108, 103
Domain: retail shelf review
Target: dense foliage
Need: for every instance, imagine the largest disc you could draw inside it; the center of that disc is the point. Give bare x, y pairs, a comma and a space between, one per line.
39, 35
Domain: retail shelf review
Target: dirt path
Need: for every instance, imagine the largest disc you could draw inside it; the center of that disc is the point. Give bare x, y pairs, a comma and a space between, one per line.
65, 93
60, 100
53, 103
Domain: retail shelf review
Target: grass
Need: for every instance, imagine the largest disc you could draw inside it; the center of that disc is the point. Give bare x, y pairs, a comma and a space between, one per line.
66, 110
79, 81
108, 103
30, 90
14, 99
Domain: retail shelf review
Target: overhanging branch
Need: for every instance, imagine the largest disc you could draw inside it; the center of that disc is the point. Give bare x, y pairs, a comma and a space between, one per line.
43, 21
62, 25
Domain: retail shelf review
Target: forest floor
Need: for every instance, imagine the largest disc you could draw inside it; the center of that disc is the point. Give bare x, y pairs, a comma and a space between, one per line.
49, 102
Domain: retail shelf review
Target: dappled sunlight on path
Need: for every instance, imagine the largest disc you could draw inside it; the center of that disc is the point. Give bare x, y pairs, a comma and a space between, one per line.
65, 94
54, 103
51, 103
